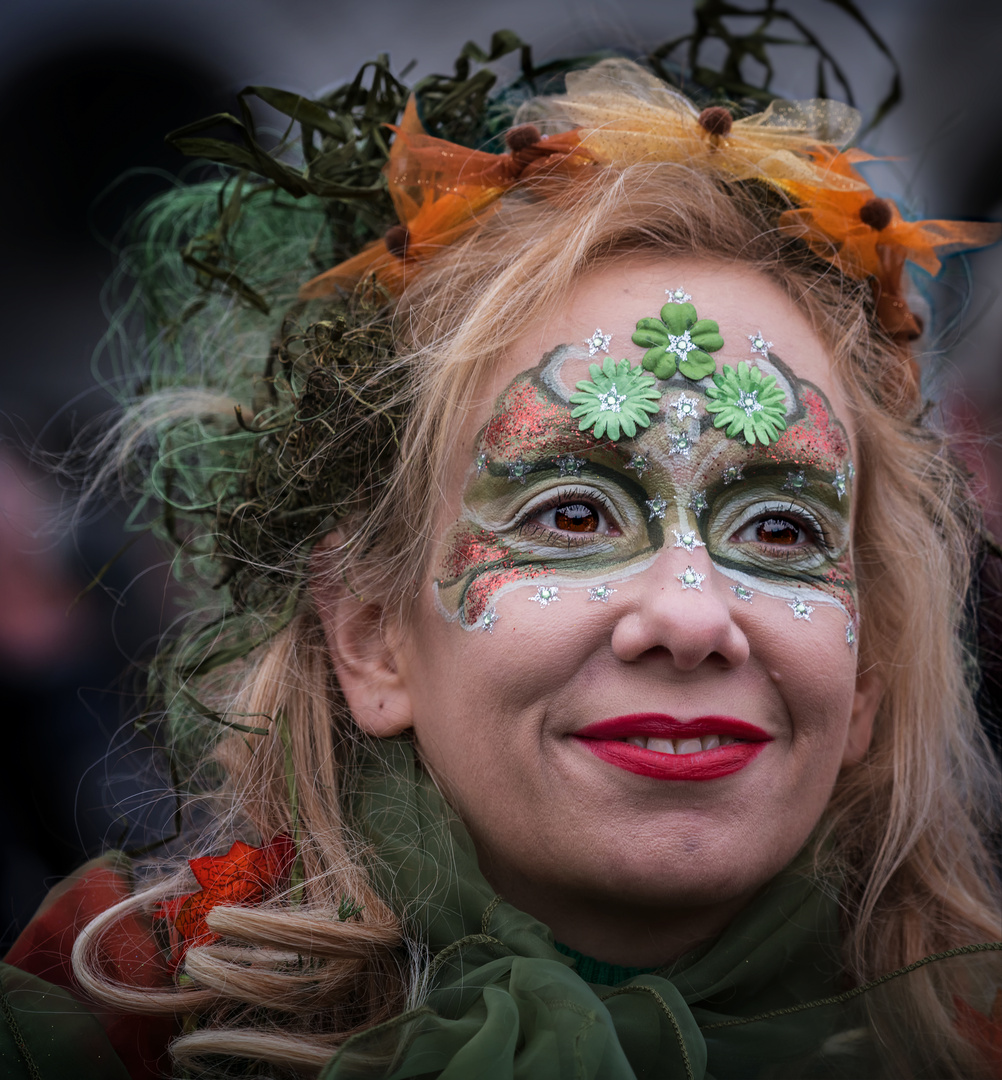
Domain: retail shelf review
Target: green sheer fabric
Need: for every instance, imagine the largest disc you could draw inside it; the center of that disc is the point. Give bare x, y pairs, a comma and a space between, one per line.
766, 999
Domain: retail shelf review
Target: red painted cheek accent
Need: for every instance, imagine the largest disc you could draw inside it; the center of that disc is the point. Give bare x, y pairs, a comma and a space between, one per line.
839, 583
472, 549
816, 439
525, 421
481, 592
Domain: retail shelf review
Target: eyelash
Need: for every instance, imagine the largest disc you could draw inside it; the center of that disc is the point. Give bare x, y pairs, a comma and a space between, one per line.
527, 525
798, 517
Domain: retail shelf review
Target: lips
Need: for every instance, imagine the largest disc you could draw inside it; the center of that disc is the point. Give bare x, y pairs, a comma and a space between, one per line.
663, 748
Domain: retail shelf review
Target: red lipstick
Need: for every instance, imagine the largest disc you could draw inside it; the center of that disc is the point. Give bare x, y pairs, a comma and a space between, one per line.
605, 740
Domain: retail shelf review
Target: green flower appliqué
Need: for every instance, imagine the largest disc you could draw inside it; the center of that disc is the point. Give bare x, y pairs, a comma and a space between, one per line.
679, 339
616, 400
748, 403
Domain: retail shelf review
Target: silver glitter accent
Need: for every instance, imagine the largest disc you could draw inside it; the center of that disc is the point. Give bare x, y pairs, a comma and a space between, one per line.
691, 579
698, 503
686, 408
681, 344
759, 344
598, 342
749, 402
545, 594
839, 484
687, 540
801, 609
490, 618
518, 470
850, 471
679, 444
611, 400
600, 592
677, 296
657, 506
733, 473
569, 465
795, 481
481, 462
742, 593
850, 635
638, 463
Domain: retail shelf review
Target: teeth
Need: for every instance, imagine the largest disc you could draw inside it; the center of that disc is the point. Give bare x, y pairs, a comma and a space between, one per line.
680, 746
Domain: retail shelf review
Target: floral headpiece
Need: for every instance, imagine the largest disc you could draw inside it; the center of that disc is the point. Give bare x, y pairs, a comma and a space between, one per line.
616, 114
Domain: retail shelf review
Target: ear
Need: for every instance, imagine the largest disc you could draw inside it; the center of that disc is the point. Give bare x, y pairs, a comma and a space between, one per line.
363, 654
869, 691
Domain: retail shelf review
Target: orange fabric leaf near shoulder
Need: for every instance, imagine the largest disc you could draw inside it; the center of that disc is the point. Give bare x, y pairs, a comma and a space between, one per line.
129, 954
982, 1032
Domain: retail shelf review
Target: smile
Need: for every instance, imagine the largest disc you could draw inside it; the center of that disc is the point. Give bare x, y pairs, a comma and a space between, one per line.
663, 748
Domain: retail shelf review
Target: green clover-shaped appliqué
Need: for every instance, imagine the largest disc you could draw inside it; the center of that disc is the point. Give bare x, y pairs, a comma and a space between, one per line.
616, 400
679, 339
748, 403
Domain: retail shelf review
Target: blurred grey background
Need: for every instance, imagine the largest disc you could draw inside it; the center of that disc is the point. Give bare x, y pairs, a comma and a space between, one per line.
87, 91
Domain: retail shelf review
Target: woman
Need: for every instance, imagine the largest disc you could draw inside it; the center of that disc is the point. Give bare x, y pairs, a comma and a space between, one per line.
593, 694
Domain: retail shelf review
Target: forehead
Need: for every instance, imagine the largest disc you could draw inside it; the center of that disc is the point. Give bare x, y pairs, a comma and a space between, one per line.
613, 297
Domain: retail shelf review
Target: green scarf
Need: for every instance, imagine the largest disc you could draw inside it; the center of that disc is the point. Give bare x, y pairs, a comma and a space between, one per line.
502, 1002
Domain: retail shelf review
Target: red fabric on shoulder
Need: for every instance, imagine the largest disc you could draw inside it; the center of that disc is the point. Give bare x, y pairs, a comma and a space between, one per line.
129, 954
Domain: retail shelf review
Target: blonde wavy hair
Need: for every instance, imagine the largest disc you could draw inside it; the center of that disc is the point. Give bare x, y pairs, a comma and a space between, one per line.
907, 826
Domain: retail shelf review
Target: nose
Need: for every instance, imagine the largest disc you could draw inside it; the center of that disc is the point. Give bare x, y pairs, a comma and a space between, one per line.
692, 626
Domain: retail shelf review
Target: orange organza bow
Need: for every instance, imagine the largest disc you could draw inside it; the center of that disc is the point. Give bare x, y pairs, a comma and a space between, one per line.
244, 875
867, 237
440, 190
625, 115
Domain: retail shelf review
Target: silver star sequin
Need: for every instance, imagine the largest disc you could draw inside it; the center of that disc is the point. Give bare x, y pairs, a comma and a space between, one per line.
795, 481
759, 344
691, 579
569, 465
657, 507
518, 470
679, 444
749, 402
611, 400
686, 408
850, 635
545, 594
600, 592
638, 463
687, 540
839, 485
732, 474
677, 296
850, 471
481, 462
742, 593
801, 609
698, 503
490, 618
681, 344
598, 342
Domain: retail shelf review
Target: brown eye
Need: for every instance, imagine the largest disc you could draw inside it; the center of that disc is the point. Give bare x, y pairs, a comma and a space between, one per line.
576, 517
778, 531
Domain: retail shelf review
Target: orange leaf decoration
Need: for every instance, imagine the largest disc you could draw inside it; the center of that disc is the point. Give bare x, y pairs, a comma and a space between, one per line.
984, 1033
440, 190
867, 237
244, 875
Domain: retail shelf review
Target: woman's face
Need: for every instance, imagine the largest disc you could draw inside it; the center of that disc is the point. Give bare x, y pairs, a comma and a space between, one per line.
632, 664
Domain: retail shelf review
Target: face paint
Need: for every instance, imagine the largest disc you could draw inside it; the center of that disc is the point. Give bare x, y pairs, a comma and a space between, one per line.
544, 498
